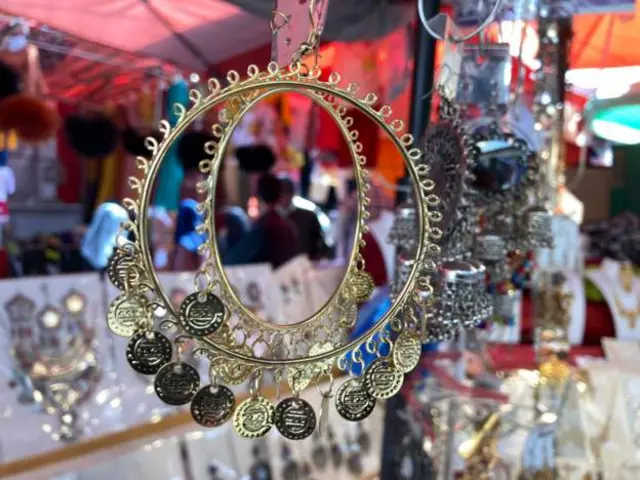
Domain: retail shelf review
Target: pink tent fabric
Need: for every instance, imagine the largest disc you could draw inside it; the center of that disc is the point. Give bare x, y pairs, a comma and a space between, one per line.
193, 34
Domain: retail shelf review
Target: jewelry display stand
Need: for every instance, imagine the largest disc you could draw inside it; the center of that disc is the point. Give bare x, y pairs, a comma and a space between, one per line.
603, 408
56, 358
573, 450
567, 251
624, 304
530, 446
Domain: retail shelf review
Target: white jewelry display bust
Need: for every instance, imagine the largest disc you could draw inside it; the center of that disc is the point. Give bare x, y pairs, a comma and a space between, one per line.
567, 251
623, 300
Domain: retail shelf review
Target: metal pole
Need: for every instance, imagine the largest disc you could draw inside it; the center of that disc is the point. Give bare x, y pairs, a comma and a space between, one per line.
424, 58
423, 73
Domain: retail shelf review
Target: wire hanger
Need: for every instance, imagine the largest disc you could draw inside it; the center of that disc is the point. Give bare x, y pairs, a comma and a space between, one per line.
452, 38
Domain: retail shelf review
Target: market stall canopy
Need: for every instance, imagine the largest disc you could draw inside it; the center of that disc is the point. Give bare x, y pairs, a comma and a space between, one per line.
606, 40
79, 70
350, 20
193, 34
197, 34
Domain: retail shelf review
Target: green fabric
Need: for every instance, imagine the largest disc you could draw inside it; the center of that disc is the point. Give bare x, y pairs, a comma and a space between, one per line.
170, 177
592, 292
627, 115
619, 202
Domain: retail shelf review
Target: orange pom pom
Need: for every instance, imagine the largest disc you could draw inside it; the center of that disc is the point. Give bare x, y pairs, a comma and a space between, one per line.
32, 119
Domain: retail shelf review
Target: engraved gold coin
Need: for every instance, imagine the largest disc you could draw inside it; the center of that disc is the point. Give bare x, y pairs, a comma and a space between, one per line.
407, 350
363, 286
254, 417
382, 380
299, 378
201, 314
232, 372
212, 406
121, 270
125, 313
353, 402
348, 313
295, 418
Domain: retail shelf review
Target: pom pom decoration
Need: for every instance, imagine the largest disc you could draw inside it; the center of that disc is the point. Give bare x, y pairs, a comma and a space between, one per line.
255, 158
92, 136
31, 118
133, 141
191, 149
9, 81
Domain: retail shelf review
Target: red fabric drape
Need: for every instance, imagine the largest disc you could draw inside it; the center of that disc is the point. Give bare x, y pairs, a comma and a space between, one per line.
374, 260
70, 187
330, 139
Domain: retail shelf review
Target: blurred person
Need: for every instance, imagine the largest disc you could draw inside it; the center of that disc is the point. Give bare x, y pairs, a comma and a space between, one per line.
273, 238
190, 152
186, 239
232, 224
101, 236
304, 216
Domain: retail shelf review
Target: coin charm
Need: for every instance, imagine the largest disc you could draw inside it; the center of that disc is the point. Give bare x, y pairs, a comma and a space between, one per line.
176, 383
212, 406
125, 314
382, 380
353, 401
147, 352
318, 349
363, 286
254, 417
406, 351
121, 269
201, 314
299, 378
232, 372
348, 313
295, 418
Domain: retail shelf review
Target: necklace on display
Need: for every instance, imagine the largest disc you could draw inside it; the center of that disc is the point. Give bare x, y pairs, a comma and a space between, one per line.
629, 314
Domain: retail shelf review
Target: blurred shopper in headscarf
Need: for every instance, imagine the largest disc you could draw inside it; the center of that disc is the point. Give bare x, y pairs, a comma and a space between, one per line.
101, 236
186, 238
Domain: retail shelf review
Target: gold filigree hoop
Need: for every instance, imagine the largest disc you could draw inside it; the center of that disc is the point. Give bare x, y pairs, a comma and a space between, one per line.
226, 331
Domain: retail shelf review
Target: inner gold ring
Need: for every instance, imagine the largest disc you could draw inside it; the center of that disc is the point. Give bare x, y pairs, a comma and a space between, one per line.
213, 244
